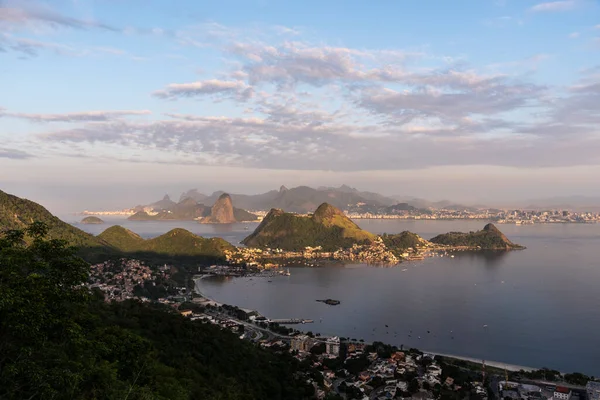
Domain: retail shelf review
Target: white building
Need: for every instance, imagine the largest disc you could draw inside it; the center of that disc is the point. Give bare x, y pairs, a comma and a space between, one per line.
332, 346
562, 393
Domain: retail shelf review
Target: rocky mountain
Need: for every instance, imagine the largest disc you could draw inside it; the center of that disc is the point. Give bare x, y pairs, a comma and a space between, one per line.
165, 204
193, 194
489, 238
92, 220
223, 212
301, 199
328, 227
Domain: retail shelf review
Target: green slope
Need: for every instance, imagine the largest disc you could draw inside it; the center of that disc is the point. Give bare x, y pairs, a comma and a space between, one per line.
327, 227
175, 243
403, 241
122, 238
17, 213
489, 238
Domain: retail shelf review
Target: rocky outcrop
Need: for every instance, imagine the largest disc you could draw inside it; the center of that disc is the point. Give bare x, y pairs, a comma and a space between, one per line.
221, 212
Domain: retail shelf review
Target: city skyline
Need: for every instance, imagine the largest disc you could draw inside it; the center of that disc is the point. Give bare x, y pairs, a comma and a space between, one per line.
107, 104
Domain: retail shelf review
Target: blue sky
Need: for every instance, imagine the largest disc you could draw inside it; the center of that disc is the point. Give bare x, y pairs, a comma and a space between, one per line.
110, 102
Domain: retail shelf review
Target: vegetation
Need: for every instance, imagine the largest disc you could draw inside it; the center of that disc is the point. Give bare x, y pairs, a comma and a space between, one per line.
17, 213
402, 241
58, 340
489, 238
92, 220
178, 243
328, 227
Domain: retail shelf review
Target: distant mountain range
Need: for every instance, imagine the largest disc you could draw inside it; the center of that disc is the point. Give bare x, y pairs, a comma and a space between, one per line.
188, 209
301, 199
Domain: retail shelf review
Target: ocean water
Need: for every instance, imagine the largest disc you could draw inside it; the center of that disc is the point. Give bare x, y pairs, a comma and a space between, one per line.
538, 307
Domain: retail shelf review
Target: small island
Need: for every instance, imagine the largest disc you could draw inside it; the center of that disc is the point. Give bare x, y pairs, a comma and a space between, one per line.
489, 238
330, 302
92, 220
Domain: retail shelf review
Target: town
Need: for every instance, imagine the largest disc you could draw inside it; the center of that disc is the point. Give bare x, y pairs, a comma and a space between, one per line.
341, 368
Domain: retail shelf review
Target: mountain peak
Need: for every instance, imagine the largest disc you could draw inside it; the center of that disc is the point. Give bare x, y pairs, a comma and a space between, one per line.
166, 197
224, 196
282, 188
325, 212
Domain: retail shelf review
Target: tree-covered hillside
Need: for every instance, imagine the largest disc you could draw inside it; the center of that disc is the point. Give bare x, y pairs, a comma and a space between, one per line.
489, 238
328, 227
59, 341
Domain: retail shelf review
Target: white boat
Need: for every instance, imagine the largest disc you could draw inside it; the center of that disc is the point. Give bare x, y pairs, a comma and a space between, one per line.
287, 273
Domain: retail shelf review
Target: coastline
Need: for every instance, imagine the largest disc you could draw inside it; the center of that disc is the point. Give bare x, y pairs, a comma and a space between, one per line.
490, 363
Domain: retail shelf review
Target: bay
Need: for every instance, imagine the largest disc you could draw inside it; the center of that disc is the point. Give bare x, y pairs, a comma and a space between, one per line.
537, 307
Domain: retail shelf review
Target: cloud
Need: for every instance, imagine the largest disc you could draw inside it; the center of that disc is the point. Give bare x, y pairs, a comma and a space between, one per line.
204, 88
295, 62
574, 35
554, 6
85, 116
284, 30
13, 154
17, 18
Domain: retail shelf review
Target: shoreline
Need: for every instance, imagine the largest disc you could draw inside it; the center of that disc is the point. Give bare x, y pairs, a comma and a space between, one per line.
490, 363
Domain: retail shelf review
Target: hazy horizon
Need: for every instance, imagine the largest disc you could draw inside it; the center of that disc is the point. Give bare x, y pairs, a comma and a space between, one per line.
481, 102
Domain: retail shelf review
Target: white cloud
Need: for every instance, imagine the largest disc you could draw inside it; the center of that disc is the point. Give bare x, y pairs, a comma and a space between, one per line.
202, 88
574, 35
554, 6
85, 116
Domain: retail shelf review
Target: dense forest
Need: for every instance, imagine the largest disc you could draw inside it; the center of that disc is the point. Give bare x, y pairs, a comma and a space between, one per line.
59, 341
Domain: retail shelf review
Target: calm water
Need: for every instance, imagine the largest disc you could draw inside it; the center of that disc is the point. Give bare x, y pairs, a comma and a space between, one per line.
541, 305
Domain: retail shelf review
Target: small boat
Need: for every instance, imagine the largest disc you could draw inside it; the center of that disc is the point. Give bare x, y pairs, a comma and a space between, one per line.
287, 273
452, 256
246, 228
404, 270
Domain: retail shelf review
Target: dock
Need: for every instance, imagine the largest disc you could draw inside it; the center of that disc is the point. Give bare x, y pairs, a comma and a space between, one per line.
291, 321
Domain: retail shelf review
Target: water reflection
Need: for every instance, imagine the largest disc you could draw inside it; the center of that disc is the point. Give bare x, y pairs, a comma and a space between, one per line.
489, 258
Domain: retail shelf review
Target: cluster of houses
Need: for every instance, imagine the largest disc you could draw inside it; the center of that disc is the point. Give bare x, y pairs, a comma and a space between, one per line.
118, 278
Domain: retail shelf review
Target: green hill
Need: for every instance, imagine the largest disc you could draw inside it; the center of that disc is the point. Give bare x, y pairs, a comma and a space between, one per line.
175, 243
60, 342
122, 238
402, 241
18, 213
92, 220
327, 227
489, 238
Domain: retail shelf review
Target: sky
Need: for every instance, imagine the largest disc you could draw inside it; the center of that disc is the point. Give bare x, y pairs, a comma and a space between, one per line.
111, 103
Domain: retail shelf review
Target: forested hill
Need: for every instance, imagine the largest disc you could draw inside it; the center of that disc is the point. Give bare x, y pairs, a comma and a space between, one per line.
58, 341
328, 227
489, 238
17, 213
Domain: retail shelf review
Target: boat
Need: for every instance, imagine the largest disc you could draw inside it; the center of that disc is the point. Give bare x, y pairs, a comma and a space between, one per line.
287, 273
246, 228
330, 302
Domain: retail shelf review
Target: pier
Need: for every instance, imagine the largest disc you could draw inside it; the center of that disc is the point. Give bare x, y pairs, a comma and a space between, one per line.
291, 321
